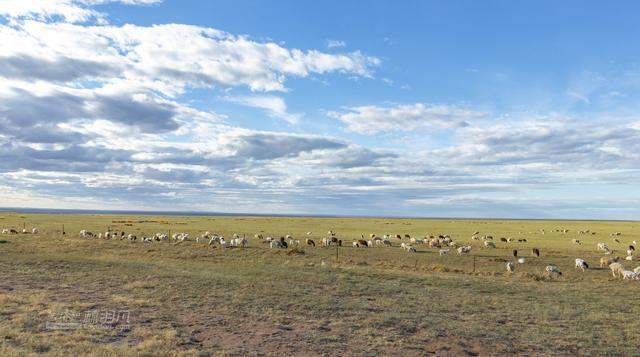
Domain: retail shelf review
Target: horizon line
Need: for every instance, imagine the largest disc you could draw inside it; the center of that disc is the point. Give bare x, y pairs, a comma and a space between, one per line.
278, 215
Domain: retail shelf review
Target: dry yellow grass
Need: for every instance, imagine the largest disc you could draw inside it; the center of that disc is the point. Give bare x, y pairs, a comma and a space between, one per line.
189, 298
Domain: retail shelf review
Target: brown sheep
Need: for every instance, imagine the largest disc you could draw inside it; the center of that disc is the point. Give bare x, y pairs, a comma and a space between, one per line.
605, 262
362, 243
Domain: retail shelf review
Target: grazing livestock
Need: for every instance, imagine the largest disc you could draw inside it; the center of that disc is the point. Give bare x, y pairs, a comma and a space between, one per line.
616, 269
13, 231
310, 242
521, 260
276, 244
511, 267
502, 239
515, 253
553, 270
360, 243
464, 250
628, 274
34, 231
629, 258
575, 241
535, 252
443, 251
581, 264
605, 262
489, 244
602, 246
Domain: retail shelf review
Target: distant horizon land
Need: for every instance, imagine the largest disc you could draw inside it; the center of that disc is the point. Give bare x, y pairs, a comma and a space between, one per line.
279, 215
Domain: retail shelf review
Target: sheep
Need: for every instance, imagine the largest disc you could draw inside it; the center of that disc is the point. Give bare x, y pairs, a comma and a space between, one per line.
329, 241
605, 262
515, 253
258, 236
34, 231
637, 270
581, 264
434, 243
535, 252
602, 246
386, 242
616, 268
503, 239
411, 250
629, 258
85, 234
309, 233
628, 274
360, 243
443, 251
464, 250
276, 244
575, 241
511, 267
283, 243
552, 269
521, 260
489, 244
310, 242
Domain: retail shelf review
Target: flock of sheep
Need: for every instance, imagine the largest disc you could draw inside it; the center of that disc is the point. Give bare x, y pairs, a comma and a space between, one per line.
444, 244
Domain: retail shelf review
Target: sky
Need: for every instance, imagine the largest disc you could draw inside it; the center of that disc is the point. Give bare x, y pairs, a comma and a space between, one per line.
487, 109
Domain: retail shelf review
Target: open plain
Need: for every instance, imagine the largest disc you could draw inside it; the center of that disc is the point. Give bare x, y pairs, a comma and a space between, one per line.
194, 298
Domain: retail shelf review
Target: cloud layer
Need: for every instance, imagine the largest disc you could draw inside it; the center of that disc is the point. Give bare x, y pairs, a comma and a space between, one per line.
96, 115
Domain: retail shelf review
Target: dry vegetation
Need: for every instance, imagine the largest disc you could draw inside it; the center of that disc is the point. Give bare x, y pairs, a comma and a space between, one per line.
190, 298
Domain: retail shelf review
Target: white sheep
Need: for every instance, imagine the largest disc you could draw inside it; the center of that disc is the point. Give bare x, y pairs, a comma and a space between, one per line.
616, 268
464, 249
443, 251
34, 231
581, 264
552, 269
489, 244
628, 274
276, 244
511, 267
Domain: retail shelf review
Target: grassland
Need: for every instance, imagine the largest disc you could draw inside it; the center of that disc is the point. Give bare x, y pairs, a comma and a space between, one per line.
190, 299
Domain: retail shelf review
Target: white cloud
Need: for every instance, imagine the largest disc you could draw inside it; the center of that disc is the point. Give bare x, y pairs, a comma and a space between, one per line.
65, 10
274, 105
374, 119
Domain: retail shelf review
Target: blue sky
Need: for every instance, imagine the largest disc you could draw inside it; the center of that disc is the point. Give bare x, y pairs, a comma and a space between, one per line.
413, 108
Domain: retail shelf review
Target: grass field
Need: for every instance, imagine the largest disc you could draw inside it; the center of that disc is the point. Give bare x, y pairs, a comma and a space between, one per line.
191, 299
